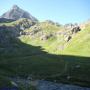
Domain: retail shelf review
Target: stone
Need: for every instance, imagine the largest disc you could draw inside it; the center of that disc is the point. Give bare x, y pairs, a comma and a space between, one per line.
68, 77
14, 84
75, 30
45, 37
67, 38
77, 66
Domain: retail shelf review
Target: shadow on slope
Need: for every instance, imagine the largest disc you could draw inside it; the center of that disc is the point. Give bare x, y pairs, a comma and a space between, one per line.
23, 60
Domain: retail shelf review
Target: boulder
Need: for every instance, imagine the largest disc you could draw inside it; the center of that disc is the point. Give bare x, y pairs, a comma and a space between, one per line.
77, 66
45, 37
67, 38
75, 30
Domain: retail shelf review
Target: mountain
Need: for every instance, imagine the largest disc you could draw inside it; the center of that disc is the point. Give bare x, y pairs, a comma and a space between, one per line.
16, 13
43, 50
4, 20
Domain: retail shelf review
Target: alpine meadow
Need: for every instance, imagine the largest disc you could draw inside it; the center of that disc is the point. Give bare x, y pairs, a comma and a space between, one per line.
43, 55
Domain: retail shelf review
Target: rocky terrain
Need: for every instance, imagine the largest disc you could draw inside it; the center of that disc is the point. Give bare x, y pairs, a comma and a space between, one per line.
48, 51
16, 13
44, 85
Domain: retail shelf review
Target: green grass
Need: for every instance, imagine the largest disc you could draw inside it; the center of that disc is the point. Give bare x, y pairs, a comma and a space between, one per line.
44, 59
80, 43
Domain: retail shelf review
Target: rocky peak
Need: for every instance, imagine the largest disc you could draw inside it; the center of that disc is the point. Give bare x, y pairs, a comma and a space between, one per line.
15, 7
16, 13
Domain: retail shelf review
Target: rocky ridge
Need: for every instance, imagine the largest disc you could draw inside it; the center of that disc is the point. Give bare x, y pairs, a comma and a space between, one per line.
16, 13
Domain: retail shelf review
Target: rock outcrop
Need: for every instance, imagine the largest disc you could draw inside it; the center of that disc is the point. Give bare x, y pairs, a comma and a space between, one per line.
74, 28
16, 13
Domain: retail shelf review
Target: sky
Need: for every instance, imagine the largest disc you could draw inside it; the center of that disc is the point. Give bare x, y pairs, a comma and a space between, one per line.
62, 11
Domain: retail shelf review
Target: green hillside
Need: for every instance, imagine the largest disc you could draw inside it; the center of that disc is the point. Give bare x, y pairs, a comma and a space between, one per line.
80, 44
44, 51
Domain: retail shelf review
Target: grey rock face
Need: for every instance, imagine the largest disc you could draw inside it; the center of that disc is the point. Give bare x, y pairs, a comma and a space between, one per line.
74, 28
16, 13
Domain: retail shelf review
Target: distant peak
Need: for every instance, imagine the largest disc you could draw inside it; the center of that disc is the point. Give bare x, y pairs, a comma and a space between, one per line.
16, 13
15, 7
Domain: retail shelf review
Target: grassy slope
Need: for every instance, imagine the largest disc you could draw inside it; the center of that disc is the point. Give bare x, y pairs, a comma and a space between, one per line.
25, 59
80, 44
50, 45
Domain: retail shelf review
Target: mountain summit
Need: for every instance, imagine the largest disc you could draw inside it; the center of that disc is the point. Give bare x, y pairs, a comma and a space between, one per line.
15, 7
16, 13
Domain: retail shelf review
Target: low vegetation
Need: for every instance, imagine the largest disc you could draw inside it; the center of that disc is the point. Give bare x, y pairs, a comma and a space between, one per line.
45, 51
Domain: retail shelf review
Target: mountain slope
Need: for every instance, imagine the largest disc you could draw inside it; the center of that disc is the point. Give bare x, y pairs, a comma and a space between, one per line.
34, 50
80, 43
17, 13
